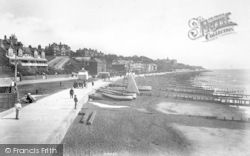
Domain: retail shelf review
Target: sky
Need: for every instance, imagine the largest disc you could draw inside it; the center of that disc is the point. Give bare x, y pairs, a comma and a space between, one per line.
154, 28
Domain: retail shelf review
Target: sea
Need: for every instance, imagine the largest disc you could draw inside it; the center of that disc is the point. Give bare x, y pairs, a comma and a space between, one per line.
228, 79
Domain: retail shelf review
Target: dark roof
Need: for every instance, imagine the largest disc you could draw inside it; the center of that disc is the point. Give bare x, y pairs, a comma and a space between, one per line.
26, 50
33, 49
40, 50
16, 47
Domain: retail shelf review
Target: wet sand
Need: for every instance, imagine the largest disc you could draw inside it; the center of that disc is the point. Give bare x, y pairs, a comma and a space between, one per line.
203, 109
141, 129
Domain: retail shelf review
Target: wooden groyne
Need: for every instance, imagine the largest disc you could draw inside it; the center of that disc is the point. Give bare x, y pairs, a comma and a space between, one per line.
207, 98
190, 91
205, 92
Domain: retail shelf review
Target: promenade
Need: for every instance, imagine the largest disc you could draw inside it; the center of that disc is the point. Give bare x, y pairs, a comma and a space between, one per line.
47, 120
46, 80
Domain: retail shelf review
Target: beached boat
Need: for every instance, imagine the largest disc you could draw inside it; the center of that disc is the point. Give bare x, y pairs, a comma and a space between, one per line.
128, 94
110, 91
117, 88
96, 97
118, 97
116, 85
124, 94
145, 88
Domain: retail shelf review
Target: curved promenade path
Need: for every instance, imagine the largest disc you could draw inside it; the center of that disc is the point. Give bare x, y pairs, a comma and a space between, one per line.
47, 120
46, 80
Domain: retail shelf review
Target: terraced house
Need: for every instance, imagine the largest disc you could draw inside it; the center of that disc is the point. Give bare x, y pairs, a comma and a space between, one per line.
88, 53
26, 56
58, 49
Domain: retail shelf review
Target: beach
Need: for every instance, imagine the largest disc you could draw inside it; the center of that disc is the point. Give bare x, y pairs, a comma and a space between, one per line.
154, 124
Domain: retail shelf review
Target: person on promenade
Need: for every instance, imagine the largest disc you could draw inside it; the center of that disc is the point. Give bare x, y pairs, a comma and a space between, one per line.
75, 84
29, 98
71, 92
76, 100
93, 83
18, 107
85, 84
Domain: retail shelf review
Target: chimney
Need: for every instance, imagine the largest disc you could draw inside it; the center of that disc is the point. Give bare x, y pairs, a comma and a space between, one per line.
49, 44
5, 38
30, 46
60, 44
39, 46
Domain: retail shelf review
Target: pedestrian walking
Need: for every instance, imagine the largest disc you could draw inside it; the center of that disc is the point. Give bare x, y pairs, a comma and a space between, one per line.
75, 84
80, 85
71, 92
76, 100
85, 83
93, 83
18, 107
60, 83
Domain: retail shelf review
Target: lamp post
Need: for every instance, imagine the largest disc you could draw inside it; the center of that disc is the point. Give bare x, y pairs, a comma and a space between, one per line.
16, 63
15, 79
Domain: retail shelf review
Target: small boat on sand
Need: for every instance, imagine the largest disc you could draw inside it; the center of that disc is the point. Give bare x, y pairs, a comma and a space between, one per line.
145, 88
128, 94
96, 97
117, 96
106, 90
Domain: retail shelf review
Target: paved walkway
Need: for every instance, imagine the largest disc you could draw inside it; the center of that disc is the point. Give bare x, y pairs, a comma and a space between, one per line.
46, 80
45, 121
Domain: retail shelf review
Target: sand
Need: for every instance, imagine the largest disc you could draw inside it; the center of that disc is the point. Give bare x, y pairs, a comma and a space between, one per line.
106, 106
217, 141
202, 109
155, 125
124, 132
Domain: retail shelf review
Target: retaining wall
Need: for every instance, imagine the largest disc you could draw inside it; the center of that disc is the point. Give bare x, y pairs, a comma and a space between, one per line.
7, 100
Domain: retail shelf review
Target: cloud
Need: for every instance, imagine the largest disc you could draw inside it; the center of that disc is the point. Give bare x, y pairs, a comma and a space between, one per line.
30, 30
155, 29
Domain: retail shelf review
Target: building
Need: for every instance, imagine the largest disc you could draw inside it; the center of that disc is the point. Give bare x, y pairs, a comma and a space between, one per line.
174, 62
88, 53
83, 74
138, 67
58, 49
151, 67
121, 66
26, 56
94, 66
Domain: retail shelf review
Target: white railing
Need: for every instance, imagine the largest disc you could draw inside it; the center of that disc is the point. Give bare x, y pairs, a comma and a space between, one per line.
34, 64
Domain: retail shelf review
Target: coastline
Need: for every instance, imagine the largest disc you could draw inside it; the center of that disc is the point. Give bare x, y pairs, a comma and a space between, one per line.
141, 129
